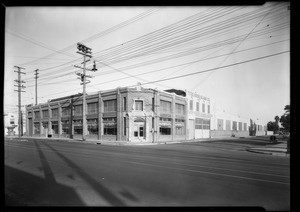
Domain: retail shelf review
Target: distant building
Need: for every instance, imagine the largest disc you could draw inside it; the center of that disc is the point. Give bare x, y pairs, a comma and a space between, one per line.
11, 121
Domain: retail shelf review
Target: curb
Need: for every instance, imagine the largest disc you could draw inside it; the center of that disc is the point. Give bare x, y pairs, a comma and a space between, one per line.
266, 152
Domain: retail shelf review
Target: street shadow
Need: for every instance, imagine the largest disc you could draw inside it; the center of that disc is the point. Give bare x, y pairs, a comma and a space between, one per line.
25, 189
100, 189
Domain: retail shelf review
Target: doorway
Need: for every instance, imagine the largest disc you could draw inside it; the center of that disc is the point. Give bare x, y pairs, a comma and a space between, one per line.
139, 129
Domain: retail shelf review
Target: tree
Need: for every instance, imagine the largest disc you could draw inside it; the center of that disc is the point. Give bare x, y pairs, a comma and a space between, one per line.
285, 118
271, 126
276, 127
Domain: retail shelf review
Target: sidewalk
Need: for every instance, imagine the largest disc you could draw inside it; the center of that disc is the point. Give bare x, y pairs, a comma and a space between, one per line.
279, 149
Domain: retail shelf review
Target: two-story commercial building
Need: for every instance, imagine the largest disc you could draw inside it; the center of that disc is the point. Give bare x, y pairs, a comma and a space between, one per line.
123, 114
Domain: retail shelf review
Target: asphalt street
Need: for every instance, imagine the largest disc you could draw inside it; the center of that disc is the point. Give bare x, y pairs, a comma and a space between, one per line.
52, 173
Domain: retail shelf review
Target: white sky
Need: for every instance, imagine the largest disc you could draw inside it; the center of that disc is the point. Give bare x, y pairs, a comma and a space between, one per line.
45, 38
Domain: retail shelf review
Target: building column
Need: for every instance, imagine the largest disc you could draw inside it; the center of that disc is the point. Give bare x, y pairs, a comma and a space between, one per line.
59, 120
49, 120
156, 119
173, 117
119, 116
40, 121
100, 110
186, 110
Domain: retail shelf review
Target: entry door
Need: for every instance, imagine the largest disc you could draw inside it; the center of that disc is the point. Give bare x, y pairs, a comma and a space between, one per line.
191, 129
139, 129
30, 127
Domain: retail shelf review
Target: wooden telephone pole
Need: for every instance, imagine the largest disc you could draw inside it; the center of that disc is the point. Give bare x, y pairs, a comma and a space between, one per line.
20, 87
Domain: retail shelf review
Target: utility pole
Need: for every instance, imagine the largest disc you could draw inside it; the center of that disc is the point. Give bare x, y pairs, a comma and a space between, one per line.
86, 52
36, 77
20, 87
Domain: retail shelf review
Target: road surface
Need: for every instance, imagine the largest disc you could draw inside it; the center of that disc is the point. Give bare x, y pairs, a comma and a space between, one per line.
52, 173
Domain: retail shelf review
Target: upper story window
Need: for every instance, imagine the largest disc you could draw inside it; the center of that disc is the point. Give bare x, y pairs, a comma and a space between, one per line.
78, 109
165, 107
54, 112
65, 111
29, 113
203, 108
110, 105
138, 105
197, 106
45, 113
191, 104
124, 103
208, 108
179, 109
92, 108
37, 114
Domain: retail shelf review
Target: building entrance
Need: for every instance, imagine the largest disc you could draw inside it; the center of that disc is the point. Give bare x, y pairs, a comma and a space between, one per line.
139, 129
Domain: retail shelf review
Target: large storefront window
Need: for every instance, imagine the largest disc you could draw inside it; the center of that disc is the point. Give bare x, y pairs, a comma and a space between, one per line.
110, 126
44, 127
110, 106
54, 127
179, 127
165, 126
65, 127
78, 127
36, 127
202, 124
92, 108
234, 125
92, 126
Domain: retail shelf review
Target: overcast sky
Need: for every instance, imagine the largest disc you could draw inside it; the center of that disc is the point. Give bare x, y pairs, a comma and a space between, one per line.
242, 52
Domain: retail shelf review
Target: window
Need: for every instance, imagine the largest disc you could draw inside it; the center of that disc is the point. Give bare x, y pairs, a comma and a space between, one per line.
65, 127
203, 108
92, 125
220, 124
36, 114
78, 110
44, 127
153, 122
165, 126
54, 127
165, 107
234, 125
240, 126
12, 122
191, 104
92, 108
124, 123
179, 109
36, 127
245, 126
208, 108
163, 130
29, 113
54, 113
110, 106
179, 127
65, 111
202, 124
45, 113
228, 125
138, 105
153, 104
197, 106
124, 103
110, 126
77, 126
